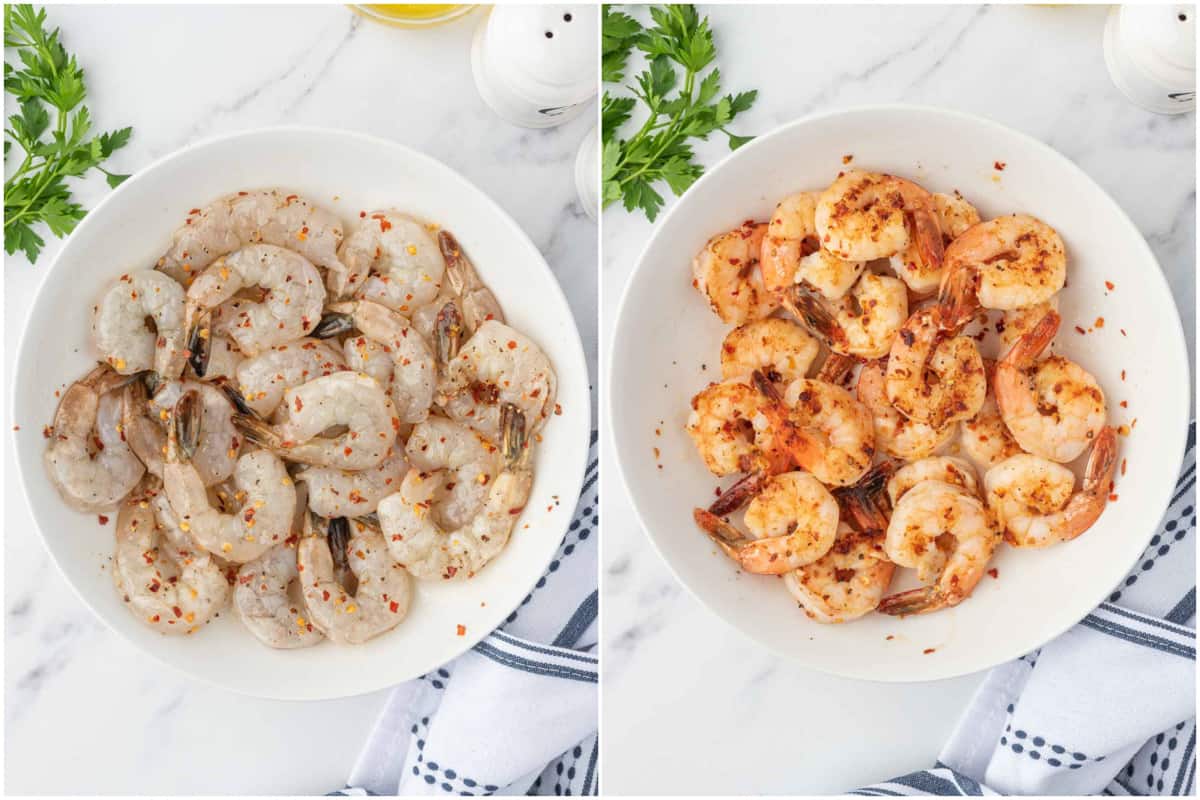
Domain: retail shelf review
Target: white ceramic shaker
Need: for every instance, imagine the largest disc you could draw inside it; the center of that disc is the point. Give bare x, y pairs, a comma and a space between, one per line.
1151, 55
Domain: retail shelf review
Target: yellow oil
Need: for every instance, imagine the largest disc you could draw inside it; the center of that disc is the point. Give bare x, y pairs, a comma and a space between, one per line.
412, 11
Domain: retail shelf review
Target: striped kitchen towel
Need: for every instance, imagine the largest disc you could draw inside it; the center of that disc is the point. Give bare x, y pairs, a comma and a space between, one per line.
517, 714
1109, 707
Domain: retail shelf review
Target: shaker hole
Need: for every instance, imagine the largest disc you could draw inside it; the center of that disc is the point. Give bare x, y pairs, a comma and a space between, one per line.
549, 34
1183, 17
567, 17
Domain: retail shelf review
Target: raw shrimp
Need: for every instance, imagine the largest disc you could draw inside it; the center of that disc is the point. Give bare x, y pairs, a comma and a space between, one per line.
264, 601
370, 358
426, 549
780, 348
264, 378
290, 309
793, 521
985, 437
896, 434
470, 461
219, 358
824, 429
847, 582
863, 323
863, 216
955, 215
265, 490
414, 372
343, 400
218, 441
1053, 408
87, 459
477, 302
725, 426
948, 535
237, 220
728, 274
383, 595
143, 433
791, 251
496, 366
1034, 499
334, 492
392, 259
934, 378
165, 582
139, 324
945, 469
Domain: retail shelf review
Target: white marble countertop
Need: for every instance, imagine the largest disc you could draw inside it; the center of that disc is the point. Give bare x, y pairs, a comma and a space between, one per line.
690, 705
85, 712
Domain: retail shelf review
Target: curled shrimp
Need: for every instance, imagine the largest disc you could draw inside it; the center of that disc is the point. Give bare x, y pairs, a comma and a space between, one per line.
823, 428
944, 469
955, 215
896, 434
1035, 498
932, 377
383, 594
430, 551
846, 583
477, 302
121, 332
1053, 407
469, 461
271, 216
87, 458
985, 438
947, 534
344, 401
791, 251
864, 215
728, 274
793, 521
863, 323
334, 492
214, 442
781, 349
726, 428
391, 259
1020, 321
263, 379
413, 373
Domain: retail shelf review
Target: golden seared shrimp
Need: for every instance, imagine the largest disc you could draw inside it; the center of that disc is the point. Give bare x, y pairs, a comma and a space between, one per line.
822, 427
1054, 408
896, 434
724, 427
382, 597
985, 438
166, 582
334, 492
955, 215
944, 469
932, 377
271, 216
290, 309
949, 536
1035, 500
863, 323
1020, 321
121, 332
865, 215
780, 348
792, 521
392, 259
846, 583
470, 462
727, 272
475, 299
87, 458
262, 379
791, 251
218, 442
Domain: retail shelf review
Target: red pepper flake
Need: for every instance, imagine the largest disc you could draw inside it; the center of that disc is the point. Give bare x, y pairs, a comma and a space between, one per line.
47, 431
325, 595
999, 166
1109, 285
462, 630
299, 404
177, 611
1123, 333
512, 345
1080, 330
348, 450
846, 159
1124, 465
1112, 498
995, 573
889, 637
394, 606
362, 214
1124, 404
103, 519
1099, 322
384, 225
1122, 374
929, 650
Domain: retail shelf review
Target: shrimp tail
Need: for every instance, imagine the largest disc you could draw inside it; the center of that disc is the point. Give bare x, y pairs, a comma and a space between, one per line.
723, 535
199, 343
836, 368
957, 297
866, 502
739, 494
238, 401
333, 323
458, 268
185, 426
258, 432
810, 308
927, 232
338, 535
921, 600
1026, 349
1086, 507
513, 441
448, 333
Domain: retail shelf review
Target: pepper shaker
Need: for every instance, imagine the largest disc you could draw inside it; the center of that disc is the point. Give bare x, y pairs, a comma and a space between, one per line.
1151, 55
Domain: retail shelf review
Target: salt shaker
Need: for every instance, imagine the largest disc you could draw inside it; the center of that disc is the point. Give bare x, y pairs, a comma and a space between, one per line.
537, 66
1151, 55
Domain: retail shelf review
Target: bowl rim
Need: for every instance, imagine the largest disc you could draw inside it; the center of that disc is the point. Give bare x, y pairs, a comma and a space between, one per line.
574, 344
610, 369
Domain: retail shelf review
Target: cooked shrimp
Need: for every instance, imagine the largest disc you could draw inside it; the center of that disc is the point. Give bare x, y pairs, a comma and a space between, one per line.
334, 492
168, 585
728, 274
120, 324
87, 459
896, 434
863, 216
1054, 408
264, 378
793, 521
945, 469
863, 323
934, 378
430, 551
955, 215
259, 217
1035, 499
791, 251
470, 461
948, 535
392, 259
344, 401
413, 371
822, 427
1020, 321
781, 349
217, 442
985, 438
498, 366
477, 302
847, 582
379, 603
725, 426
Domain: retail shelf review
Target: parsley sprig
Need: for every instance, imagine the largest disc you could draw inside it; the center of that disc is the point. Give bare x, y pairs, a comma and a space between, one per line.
47, 79
676, 111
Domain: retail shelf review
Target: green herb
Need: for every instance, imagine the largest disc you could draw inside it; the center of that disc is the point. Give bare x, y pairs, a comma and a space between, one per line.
676, 111
48, 79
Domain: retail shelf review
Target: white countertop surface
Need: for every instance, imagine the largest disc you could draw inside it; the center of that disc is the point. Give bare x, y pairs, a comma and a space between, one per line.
690, 705
85, 712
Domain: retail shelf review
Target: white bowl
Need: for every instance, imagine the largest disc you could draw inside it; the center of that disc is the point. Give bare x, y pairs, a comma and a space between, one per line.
346, 173
665, 332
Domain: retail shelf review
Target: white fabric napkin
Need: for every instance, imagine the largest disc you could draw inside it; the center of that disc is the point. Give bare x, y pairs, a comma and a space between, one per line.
517, 713
1108, 707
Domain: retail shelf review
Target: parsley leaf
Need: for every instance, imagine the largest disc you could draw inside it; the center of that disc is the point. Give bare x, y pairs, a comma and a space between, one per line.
47, 79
